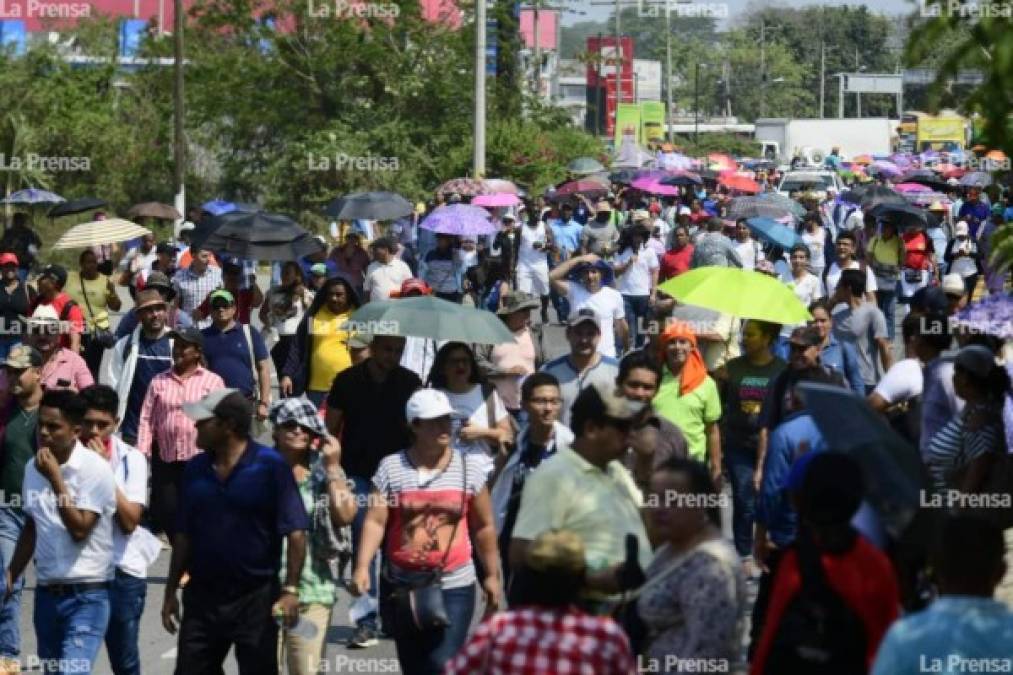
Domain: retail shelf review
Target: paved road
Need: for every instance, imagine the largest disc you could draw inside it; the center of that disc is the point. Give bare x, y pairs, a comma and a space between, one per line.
158, 648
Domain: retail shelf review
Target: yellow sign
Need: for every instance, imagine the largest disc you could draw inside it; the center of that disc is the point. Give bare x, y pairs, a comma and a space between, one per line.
652, 121
627, 122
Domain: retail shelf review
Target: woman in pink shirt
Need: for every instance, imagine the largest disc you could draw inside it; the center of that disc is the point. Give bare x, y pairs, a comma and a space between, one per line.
506, 365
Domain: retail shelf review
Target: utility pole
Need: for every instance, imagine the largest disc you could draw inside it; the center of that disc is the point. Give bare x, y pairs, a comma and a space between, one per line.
178, 141
668, 71
478, 161
823, 76
696, 106
858, 94
763, 69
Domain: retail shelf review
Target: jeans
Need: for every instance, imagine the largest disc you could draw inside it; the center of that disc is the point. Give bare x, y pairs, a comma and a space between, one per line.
166, 481
317, 398
636, 308
740, 463
69, 628
363, 486
12, 521
126, 604
425, 653
887, 301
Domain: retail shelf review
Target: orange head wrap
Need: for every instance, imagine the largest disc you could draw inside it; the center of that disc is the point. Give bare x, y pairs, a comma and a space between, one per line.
694, 372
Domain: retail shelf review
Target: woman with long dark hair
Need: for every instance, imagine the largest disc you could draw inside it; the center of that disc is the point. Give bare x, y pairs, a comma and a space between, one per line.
283, 310
320, 348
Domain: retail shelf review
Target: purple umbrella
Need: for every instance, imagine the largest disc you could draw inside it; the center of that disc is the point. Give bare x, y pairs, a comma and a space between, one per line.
459, 219
992, 316
656, 188
884, 168
650, 174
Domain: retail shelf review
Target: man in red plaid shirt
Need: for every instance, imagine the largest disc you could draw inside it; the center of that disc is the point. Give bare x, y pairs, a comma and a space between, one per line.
545, 633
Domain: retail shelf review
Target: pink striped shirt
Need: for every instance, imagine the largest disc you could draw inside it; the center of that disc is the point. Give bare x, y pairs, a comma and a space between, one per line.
162, 418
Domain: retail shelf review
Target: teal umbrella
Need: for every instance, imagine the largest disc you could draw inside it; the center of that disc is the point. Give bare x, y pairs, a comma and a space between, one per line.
429, 317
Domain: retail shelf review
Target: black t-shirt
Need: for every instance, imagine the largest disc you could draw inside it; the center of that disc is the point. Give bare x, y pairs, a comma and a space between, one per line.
373, 415
745, 391
13, 306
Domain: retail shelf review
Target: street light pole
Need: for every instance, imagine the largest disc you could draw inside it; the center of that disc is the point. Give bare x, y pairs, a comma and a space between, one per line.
178, 141
696, 106
763, 69
668, 70
478, 160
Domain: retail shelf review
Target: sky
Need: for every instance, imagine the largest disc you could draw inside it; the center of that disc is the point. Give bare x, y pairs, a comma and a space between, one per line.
598, 10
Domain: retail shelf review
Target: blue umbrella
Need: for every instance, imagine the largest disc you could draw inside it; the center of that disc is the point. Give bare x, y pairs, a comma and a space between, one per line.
217, 207
33, 196
773, 232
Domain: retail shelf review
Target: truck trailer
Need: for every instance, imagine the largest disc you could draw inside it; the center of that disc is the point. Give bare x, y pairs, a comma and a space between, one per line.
782, 139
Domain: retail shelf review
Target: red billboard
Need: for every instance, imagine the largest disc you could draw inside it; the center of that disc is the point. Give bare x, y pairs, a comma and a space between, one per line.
610, 80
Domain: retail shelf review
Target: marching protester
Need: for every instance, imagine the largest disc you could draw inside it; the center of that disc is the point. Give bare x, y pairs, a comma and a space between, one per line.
841, 357
536, 242
22, 241
94, 292
245, 299
62, 368
135, 547
386, 273
315, 458
52, 302
506, 365
847, 250
862, 325
283, 310
678, 257
584, 282
430, 508
69, 502
16, 298
636, 267
233, 562
352, 260
174, 317
194, 282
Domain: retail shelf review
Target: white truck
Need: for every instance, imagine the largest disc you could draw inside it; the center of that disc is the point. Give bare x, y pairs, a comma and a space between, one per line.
783, 139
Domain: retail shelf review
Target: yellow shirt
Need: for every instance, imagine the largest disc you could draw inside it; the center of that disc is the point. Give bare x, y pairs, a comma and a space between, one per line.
96, 291
329, 349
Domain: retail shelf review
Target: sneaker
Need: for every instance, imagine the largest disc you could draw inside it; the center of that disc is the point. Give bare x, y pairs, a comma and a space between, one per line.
363, 636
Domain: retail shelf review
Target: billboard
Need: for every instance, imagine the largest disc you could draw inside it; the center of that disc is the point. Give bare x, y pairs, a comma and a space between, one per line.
610, 81
648, 80
652, 121
627, 122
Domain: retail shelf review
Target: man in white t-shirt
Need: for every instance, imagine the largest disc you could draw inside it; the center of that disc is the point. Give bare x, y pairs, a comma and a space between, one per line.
846, 246
70, 498
135, 548
637, 268
386, 273
585, 288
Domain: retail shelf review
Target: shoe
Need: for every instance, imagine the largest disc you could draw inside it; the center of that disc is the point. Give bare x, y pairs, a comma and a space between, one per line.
363, 636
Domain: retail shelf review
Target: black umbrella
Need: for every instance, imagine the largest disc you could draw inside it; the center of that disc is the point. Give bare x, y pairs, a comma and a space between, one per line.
624, 176
933, 181
369, 206
870, 196
76, 206
257, 235
903, 215
891, 467
683, 179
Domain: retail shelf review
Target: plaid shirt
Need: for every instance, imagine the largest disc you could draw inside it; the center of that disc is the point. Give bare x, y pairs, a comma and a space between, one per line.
542, 641
162, 418
193, 288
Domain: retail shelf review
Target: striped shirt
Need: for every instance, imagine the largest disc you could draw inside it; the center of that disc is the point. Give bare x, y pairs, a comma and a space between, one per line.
955, 446
423, 508
193, 288
162, 418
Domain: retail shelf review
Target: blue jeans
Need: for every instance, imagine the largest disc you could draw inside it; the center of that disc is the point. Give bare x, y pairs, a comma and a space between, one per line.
741, 463
12, 521
363, 486
636, 308
126, 604
559, 302
69, 628
426, 653
887, 301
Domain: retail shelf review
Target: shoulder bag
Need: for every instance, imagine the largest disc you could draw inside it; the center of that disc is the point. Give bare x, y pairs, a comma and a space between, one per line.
418, 606
101, 336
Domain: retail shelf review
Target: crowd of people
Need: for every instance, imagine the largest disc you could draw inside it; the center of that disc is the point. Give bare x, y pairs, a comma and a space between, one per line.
493, 509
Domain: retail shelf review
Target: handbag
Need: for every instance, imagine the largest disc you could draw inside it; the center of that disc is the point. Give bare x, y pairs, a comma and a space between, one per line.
101, 336
418, 605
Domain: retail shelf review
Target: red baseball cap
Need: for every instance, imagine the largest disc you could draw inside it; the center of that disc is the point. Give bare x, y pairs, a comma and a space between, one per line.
8, 259
412, 286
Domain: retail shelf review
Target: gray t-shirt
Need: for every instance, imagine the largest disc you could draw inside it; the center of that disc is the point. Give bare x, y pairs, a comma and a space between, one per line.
862, 327
598, 237
939, 401
571, 382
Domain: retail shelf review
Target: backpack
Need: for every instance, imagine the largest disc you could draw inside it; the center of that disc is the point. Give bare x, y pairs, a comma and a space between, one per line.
818, 632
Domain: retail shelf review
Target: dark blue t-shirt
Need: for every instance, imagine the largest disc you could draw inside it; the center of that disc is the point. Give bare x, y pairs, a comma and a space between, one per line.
228, 355
153, 357
236, 526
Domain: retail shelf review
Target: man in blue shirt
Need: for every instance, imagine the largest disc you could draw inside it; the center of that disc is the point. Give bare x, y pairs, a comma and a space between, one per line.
566, 233
964, 629
974, 211
231, 348
238, 500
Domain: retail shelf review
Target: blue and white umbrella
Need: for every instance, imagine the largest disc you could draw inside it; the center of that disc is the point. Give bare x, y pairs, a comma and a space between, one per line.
33, 196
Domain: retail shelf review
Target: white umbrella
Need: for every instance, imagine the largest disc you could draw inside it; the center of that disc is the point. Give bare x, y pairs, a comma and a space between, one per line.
100, 232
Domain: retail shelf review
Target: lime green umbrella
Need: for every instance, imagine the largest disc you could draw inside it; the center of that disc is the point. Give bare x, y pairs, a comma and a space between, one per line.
429, 317
741, 293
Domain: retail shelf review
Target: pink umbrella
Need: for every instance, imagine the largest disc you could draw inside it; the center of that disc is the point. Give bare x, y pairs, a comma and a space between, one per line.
911, 187
497, 199
644, 183
663, 190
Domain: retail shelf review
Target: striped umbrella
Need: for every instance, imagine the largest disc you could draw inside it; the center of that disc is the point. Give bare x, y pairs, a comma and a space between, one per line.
100, 232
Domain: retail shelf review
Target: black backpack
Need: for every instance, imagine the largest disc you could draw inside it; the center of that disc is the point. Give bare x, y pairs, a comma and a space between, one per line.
818, 633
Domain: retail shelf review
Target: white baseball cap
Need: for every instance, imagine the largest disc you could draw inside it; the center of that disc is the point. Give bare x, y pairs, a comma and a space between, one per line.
186, 226
953, 284
427, 404
684, 211
208, 407
961, 229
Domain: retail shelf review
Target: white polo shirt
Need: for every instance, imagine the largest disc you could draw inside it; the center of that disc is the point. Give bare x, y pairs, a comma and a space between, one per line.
134, 552
58, 558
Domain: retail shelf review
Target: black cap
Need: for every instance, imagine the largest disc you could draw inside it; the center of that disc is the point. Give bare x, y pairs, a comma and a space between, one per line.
165, 248
930, 299
57, 272
189, 334
805, 336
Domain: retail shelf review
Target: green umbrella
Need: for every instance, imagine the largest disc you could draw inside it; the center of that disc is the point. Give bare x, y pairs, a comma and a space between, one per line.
429, 317
741, 293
